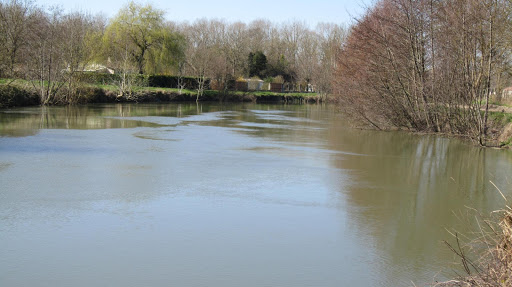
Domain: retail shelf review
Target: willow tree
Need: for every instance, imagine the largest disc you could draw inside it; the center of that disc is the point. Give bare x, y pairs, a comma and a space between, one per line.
134, 32
167, 56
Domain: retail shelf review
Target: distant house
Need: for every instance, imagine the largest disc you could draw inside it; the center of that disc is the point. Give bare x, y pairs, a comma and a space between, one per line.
254, 84
506, 96
507, 92
249, 85
276, 87
97, 68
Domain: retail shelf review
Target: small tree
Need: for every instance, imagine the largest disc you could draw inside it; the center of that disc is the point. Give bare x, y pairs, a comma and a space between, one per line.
44, 67
200, 52
77, 52
127, 81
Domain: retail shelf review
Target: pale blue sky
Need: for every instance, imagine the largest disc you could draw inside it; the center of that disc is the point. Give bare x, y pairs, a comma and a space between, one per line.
312, 11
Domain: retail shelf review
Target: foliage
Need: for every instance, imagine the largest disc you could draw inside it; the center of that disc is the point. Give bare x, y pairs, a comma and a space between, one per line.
52, 48
137, 35
257, 63
278, 79
170, 52
11, 96
96, 78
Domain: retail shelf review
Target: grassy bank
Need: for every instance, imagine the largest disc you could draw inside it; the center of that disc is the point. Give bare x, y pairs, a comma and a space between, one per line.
22, 93
501, 116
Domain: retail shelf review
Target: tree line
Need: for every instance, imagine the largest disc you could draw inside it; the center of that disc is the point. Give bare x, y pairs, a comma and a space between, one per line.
428, 65
51, 48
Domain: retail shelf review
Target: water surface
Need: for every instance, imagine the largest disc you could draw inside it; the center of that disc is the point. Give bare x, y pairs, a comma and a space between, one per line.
230, 195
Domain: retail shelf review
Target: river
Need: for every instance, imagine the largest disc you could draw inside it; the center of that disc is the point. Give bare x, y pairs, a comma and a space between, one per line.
223, 195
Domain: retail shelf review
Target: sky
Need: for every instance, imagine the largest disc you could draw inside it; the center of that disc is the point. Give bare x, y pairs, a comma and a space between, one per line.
277, 11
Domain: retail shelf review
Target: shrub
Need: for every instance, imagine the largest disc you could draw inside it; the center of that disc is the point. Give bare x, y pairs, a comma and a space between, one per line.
11, 96
97, 78
493, 264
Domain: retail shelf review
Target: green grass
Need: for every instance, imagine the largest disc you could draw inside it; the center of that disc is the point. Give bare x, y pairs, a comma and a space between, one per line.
501, 117
507, 143
4, 81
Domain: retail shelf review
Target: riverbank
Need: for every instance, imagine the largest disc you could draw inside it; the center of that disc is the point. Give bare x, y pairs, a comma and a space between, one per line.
19, 93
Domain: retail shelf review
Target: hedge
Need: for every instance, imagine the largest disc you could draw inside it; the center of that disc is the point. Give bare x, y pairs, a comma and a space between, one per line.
156, 81
11, 96
165, 81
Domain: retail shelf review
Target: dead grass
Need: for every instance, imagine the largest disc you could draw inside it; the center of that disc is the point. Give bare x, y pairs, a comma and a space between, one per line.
486, 260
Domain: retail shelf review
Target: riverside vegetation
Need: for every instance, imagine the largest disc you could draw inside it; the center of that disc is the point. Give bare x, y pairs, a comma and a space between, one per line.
424, 66
20, 93
50, 51
430, 66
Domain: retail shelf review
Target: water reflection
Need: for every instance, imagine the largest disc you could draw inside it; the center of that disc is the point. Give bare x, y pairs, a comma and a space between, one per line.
28, 121
292, 189
407, 190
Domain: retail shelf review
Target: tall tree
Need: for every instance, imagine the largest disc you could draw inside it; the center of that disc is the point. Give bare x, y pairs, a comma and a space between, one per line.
45, 67
236, 45
200, 52
15, 21
78, 31
136, 30
169, 52
332, 37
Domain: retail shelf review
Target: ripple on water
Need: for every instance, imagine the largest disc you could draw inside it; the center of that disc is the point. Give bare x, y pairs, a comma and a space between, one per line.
156, 135
5, 165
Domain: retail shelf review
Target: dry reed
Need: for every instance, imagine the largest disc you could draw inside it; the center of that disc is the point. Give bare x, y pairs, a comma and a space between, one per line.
493, 250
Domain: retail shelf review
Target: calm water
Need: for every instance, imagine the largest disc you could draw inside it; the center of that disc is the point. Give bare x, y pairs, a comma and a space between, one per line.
230, 195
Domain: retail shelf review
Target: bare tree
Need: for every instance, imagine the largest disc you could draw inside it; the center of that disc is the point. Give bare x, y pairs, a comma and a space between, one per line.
332, 38
425, 65
200, 52
308, 59
15, 18
237, 48
293, 35
77, 53
127, 82
44, 66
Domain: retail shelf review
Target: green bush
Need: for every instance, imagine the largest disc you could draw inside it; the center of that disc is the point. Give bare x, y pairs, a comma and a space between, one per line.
97, 78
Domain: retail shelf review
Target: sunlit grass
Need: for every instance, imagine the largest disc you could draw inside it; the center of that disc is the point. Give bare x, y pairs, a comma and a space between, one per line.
501, 117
